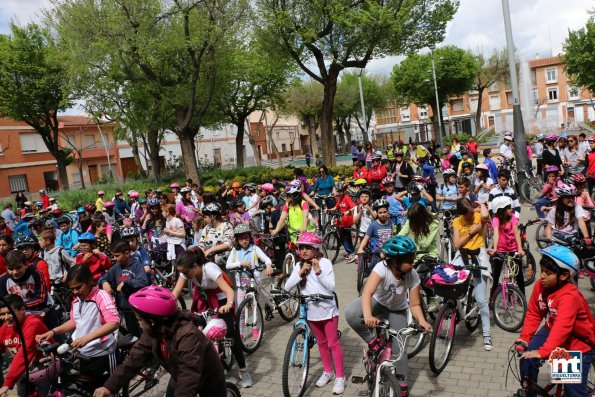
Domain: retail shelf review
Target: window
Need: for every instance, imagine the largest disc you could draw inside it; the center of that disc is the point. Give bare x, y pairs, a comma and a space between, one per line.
423, 111
535, 95
283, 147
573, 92
71, 141
551, 75
494, 86
405, 116
473, 103
105, 170
533, 77
89, 142
509, 98
32, 143
18, 183
494, 102
458, 105
552, 94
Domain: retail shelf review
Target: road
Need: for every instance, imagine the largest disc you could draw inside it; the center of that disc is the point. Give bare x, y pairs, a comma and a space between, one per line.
471, 372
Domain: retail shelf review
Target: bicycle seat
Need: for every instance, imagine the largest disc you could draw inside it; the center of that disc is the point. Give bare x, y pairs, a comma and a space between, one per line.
126, 341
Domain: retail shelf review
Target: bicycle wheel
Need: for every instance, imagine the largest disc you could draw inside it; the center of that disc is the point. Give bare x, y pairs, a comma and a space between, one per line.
509, 311
416, 343
287, 267
232, 390
296, 364
288, 308
529, 268
227, 356
249, 324
530, 191
362, 266
146, 380
540, 237
388, 385
471, 319
443, 335
332, 243
446, 251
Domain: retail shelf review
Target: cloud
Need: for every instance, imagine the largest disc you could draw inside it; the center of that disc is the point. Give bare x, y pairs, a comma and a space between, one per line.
20, 11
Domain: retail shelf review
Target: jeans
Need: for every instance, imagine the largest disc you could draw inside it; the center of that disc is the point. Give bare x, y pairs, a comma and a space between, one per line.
480, 289
345, 236
397, 320
530, 367
541, 202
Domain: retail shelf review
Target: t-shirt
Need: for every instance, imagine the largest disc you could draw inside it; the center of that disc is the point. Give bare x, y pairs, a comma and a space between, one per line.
461, 224
506, 240
210, 274
392, 292
576, 158
379, 234
408, 202
579, 212
177, 226
484, 192
472, 146
449, 191
506, 151
365, 220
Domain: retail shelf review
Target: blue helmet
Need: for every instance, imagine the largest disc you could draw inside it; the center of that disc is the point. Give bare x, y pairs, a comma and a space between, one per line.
87, 237
398, 246
80, 210
563, 256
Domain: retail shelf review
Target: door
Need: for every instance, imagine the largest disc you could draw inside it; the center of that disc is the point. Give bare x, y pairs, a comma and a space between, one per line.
93, 176
217, 154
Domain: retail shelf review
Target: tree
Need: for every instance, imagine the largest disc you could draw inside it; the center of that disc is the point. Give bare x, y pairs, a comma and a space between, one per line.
456, 70
489, 71
580, 56
34, 87
304, 100
325, 37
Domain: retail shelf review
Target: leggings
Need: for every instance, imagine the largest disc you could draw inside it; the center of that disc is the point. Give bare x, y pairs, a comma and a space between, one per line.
397, 319
497, 265
325, 332
231, 333
530, 367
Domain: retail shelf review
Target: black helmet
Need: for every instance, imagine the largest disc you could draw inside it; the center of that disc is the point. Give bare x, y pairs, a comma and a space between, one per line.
25, 241
212, 208
238, 203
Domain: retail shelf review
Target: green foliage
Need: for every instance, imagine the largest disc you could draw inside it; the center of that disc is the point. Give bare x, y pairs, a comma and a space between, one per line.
579, 55
463, 138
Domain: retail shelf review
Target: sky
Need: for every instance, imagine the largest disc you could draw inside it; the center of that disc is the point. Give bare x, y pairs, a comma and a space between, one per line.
539, 26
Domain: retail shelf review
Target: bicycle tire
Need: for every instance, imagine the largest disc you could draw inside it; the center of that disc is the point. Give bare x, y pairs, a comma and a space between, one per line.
529, 192
592, 280
362, 266
529, 268
287, 268
295, 345
471, 323
248, 334
332, 243
540, 237
514, 296
444, 250
149, 379
416, 343
446, 317
389, 387
288, 309
232, 390
227, 357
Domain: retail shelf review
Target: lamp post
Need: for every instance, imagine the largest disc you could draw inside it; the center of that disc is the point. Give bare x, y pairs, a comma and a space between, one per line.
361, 99
439, 113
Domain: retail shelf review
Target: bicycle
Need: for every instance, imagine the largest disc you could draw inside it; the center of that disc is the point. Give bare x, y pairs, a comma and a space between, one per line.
529, 266
531, 186
323, 202
166, 276
508, 296
249, 320
447, 250
331, 238
296, 361
363, 268
458, 303
381, 377
62, 300
222, 345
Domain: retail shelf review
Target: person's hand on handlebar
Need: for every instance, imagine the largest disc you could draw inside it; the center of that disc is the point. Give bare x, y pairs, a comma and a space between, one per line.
225, 308
427, 326
371, 321
588, 241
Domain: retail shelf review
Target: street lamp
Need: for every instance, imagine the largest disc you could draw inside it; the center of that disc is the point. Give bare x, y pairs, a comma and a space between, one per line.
439, 115
361, 99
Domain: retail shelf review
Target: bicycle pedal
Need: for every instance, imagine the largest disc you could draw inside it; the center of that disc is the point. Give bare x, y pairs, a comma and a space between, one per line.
358, 380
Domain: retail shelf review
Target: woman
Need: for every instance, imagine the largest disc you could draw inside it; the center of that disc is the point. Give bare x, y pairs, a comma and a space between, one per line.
573, 156
455, 147
212, 289
468, 239
392, 288
369, 155
359, 171
217, 236
402, 172
551, 155
378, 171
325, 186
20, 199
171, 338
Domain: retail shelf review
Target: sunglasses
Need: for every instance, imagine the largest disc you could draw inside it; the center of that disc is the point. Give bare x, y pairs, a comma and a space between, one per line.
571, 140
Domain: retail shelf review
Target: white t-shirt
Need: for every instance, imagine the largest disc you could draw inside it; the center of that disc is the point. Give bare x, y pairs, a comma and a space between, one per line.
253, 200
177, 226
391, 292
506, 151
365, 220
210, 273
484, 192
579, 212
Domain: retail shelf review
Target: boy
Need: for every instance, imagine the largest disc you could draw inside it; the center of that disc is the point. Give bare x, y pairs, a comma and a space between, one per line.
502, 189
568, 321
28, 246
397, 213
69, 237
57, 258
137, 252
27, 282
97, 261
345, 207
415, 191
447, 192
10, 340
464, 160
492, 167
127, 276
379, 231
465, 190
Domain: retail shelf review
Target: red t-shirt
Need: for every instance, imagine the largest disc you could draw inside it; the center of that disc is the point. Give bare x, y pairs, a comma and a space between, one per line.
591, 161
376, 174
472, 146
345, 203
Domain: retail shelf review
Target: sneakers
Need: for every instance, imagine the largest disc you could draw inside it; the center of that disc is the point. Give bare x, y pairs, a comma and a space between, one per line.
350, 258
339, 386
325, 378
245, 378
487, 343
433, 306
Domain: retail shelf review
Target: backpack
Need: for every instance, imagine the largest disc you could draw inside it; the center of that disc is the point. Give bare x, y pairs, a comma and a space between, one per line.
63, 264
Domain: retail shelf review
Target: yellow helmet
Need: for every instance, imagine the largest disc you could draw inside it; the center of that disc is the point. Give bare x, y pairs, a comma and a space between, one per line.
360, 181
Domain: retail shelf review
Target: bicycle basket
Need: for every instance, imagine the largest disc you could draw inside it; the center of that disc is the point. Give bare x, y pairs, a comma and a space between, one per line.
44, 372
452, 291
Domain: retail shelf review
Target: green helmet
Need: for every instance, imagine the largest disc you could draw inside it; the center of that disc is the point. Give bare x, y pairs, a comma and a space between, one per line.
242, 228
398, 246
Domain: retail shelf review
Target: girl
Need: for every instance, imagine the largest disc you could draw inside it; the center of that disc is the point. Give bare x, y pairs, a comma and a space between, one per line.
582, 196
98, 228
212, 290
369, 155
391, 289
446, 158
402, 172
93, 322
217, 236
363, 214
297, 212
198, 225
90, 256
551, 155
506, 240
185, 207
449, 191
239, 215
174, 233
359, 171
171, 338
468, 235
568, 218
6, 244
154, 221
483, 183
548, 193
315, 275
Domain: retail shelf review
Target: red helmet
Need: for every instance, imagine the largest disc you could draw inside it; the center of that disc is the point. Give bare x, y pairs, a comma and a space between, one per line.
578, 178
154, 301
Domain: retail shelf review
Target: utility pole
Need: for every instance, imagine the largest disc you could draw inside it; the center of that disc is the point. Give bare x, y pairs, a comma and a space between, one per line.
520, 144
438, 135
361, 99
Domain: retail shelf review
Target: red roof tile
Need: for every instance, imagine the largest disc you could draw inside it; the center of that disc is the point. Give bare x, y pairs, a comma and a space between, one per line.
536, 63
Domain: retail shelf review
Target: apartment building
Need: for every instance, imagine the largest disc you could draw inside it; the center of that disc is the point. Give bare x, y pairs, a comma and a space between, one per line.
550, 102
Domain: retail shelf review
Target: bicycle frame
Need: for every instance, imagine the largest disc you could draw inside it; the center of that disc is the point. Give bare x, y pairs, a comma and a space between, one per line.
303, 323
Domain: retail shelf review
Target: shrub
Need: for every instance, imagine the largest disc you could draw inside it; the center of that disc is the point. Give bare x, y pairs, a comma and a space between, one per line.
463, 138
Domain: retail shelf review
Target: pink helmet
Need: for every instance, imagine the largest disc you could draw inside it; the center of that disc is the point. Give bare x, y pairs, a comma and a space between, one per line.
565, 190
388, 180
482, 167
267, 187
101, 193
134, 194
551, 168
154, 301
174, 185
551, 138
109, 204
215, 330
309, 238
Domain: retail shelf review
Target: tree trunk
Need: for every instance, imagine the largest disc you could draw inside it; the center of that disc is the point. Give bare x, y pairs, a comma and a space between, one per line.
274, 147
240, 144
478, 111
186, 138
346, 125
326, 117
153, 150
340, 135
312, 136
136, 156
79, 164
62, 174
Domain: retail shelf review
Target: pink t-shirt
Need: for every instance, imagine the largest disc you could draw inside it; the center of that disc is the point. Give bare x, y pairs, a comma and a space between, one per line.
506, 240
584, 200
305, 207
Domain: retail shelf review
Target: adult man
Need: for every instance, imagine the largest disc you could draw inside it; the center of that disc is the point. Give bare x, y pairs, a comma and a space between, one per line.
502, 189
9, 216
506, 148
45, 200
472, 145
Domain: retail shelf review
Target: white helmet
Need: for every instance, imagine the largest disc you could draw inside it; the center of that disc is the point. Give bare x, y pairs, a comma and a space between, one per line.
501, 202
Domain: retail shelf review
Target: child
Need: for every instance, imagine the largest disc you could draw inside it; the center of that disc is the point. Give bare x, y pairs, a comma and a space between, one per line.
567, 218
6, 244
363, 214
492, 167
548, 193
465, 190
379, 231
99, 203
198, 225
174, 233
217, 237
568, 320
506, 240
446, 159
10, 340
90, 256
315, 275
56, 257
68, 239
483, 183
502, 189
296, 211
239, 215
28, 246
252, 199
345, 207
582, 196
126, 277
395, 208
28, 283
136, 251
93, 322
99, 230
448, 192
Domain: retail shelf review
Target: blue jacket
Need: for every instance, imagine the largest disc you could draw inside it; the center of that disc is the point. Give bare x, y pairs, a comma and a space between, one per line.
492, 167
67, 240
21, 230
133, 276
121, 207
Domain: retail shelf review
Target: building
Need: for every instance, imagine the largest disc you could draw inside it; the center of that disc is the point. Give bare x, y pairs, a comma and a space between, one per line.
549, 102
290, 135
